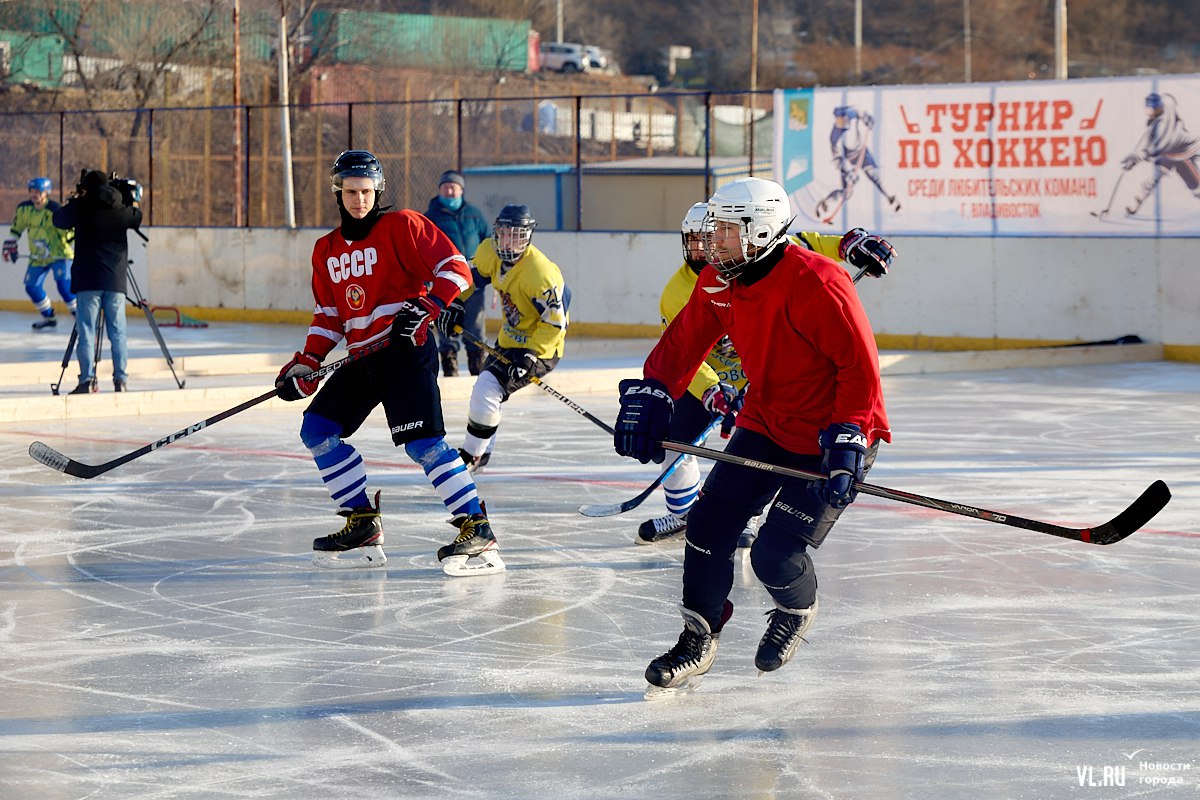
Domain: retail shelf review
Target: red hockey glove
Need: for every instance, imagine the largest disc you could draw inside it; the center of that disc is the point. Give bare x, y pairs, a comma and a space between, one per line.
723, 399
413, 319
292, 383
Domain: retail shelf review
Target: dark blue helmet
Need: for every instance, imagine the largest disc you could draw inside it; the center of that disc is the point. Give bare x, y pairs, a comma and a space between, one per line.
1154, 100
849, 112
356, 164
41, 184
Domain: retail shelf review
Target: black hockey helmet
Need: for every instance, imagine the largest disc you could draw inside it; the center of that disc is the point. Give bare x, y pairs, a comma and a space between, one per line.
356, 164
513, 230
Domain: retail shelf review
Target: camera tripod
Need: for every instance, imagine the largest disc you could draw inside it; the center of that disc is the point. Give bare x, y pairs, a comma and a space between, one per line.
136, 299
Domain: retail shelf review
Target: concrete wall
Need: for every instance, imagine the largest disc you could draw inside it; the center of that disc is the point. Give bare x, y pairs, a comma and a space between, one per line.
942, 292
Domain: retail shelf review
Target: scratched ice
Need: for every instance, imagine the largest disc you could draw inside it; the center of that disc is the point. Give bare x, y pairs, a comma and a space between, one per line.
164, 635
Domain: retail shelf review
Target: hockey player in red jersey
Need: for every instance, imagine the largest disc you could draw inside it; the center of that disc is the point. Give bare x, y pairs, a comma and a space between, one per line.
369, 283
815, 403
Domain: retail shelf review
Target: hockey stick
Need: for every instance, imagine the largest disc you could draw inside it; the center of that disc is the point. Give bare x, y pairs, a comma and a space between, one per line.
55, 460
1111, 197
1137, 514
612, 509
496, 354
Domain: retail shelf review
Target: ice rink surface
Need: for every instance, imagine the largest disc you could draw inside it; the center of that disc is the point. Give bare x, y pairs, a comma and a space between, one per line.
164, 635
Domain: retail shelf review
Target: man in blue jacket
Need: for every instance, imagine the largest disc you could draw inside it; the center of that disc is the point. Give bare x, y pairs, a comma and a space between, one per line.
466, 227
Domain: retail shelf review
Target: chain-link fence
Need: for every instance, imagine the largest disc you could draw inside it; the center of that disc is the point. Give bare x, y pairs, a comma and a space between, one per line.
225, 166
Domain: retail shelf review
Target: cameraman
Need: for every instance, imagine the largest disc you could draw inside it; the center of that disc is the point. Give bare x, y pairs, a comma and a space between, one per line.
101, 210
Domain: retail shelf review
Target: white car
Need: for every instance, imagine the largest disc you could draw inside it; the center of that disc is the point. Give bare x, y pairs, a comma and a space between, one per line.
564, 57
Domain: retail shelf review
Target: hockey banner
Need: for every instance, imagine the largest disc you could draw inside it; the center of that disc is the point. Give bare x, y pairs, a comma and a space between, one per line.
1116, 157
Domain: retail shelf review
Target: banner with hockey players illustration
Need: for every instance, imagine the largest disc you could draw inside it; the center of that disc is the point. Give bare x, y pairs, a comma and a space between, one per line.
1118, 157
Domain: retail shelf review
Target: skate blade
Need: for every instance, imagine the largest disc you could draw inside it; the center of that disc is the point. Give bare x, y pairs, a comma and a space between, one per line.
358, 558
663, 692
486, 563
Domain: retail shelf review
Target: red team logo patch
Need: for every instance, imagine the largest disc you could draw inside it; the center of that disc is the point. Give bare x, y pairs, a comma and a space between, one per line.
355, 297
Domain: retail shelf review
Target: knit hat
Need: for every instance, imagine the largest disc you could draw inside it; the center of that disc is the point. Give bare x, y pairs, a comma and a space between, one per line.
450, 176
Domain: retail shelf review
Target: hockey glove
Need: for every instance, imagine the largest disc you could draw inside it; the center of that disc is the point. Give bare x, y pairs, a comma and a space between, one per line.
867, 251
1129, 162
723, 399
10, 250
292, 383
413, 319
451, 319
644, 420
522, 364
843, 453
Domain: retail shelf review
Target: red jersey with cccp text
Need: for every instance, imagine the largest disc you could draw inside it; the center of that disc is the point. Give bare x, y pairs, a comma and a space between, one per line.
358, 286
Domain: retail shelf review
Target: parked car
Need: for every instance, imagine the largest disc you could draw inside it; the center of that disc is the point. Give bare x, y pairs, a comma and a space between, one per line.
564, 57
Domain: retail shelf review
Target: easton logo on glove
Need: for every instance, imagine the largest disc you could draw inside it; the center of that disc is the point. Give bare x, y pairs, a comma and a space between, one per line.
851, 439
650, 390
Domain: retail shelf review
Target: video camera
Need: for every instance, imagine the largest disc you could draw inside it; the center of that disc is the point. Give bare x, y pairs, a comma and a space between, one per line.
131, 190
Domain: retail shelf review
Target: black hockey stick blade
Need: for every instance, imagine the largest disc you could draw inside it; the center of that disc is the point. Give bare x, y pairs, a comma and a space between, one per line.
1124, 524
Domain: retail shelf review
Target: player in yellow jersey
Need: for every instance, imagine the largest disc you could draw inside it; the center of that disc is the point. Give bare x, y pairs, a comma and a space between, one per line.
533, 332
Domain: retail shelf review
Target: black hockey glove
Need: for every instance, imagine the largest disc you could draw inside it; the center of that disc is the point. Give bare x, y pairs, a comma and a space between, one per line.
291, 384
521, 364
451, 319
644, 420
412, 320
843, 454
867, 251
10, 250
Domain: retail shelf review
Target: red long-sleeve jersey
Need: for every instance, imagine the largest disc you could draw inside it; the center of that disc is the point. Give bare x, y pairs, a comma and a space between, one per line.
806, 347
358, 286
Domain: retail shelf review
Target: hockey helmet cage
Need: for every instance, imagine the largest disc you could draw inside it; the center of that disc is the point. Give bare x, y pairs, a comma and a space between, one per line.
691, 230
356, 164
762, 212
40, 184
513, 230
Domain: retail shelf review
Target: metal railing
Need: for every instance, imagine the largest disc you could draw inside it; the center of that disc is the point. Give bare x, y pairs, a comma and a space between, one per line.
220, 166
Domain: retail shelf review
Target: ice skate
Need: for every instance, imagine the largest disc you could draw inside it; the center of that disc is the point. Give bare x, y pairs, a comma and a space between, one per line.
749, 533
474, 464
785, 630
681, 668
358, 544
473, 551
661, 529
45, 324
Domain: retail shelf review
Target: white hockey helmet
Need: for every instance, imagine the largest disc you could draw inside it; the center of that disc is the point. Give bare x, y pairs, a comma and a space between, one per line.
762, 212
692, 232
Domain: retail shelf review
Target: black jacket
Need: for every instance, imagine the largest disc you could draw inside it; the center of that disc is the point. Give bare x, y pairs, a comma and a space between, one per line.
100, 219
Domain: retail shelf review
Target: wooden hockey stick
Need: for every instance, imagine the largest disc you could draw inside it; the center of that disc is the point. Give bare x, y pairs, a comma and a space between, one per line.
1137, 514
53, 459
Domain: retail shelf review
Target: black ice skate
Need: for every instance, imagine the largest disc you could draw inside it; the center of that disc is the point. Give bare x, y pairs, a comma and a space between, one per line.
681, 667
473, 551
358, 544
785, 631
45, 324
662, 529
